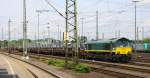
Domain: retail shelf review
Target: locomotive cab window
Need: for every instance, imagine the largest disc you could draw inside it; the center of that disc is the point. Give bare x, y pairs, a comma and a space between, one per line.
122, 44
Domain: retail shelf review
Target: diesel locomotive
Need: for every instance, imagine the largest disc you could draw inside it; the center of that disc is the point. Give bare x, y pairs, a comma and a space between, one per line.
113, 49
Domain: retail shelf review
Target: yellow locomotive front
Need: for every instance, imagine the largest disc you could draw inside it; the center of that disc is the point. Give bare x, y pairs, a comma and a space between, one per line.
123, 50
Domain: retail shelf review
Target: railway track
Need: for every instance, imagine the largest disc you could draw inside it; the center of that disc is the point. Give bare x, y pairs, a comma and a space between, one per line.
141, 64
141, 57
129, 70
34, 75
38, 67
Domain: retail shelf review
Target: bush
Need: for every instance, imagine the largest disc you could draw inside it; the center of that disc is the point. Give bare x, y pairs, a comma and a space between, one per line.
50, 62
57, 63
82, 68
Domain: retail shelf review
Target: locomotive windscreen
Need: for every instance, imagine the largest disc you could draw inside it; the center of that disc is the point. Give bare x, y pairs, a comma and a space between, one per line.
122, 44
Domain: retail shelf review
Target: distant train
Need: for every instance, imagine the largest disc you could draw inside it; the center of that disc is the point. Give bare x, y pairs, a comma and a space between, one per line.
141, 47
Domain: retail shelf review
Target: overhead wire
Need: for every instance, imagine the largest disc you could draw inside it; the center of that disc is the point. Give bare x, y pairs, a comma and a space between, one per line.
57, 11
55, 8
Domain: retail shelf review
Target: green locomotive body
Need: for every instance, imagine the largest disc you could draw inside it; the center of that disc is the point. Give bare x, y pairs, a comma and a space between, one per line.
113, 49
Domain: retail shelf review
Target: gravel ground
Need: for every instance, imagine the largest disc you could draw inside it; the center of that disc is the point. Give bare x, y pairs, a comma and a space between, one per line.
87, 75
141, 57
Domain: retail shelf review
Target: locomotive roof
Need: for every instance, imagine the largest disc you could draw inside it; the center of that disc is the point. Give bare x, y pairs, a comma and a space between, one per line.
108, 40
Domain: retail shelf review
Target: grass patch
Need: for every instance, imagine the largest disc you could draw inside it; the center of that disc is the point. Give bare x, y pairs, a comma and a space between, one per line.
58, 63
80, 68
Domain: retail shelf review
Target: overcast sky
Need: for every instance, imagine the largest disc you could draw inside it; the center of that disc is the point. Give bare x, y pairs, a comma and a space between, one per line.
114, 15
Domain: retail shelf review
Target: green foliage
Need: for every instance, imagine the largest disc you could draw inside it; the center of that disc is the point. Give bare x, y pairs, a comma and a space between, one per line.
18, 42
58, 63
4, 43
21, 40
80, 68
147, 40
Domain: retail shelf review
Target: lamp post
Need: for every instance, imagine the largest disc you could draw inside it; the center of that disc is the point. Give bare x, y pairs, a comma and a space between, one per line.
48, 28
135, 23
25, 53
9, 34
2, 45
38, 24
143, 33
38, 16
82, 25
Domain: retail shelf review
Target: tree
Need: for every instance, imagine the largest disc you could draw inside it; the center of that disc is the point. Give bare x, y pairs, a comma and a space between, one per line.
146, 40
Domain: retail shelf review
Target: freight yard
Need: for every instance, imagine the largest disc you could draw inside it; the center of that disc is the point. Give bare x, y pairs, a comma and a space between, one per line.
75, 39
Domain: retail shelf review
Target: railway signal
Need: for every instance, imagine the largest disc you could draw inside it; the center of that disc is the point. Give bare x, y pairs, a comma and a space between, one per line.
65, 36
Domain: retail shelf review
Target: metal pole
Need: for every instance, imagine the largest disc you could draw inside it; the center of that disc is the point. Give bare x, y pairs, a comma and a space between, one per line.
48, 34
71, 20
59, 36
38, 25
116, 34
97, 33
58, 32
24, 31
119, 34
38, 33
35, 35
38, 16
142, 33
135, 25
66, 31
2, 34
60, 39
76, 33
103, 35
2, 45
82, 25
9, 35
137, 33
38, 40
